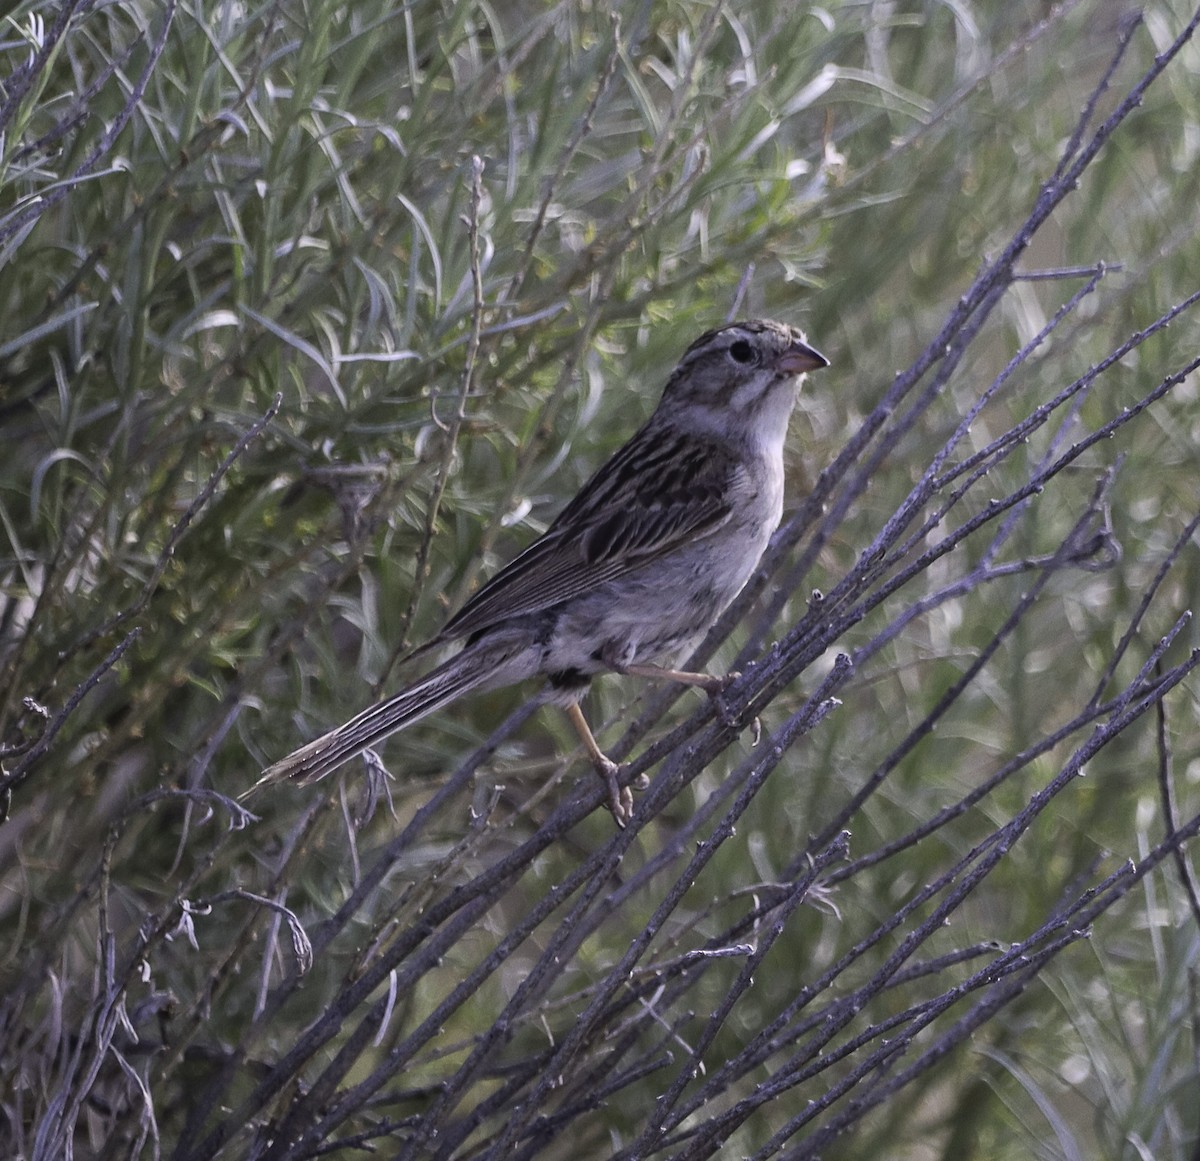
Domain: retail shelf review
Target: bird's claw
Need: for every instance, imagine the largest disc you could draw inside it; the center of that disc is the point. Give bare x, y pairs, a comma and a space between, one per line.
756, 729
620, 798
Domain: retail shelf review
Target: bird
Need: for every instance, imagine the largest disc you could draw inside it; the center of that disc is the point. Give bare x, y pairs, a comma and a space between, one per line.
635, 569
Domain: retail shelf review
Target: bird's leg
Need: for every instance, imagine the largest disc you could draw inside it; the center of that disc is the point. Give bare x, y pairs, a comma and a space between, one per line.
713, 686
704, 681
620, 798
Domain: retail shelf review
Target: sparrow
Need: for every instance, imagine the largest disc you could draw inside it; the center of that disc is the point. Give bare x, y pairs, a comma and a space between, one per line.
636, 568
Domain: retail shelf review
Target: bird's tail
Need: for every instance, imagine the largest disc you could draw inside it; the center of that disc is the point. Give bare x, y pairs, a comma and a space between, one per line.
493, 661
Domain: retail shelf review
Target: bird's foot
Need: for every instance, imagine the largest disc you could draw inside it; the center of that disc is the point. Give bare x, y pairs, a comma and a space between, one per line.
620, 798
716, 691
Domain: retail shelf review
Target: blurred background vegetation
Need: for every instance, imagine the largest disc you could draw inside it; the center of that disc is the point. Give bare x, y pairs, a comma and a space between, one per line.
203, 205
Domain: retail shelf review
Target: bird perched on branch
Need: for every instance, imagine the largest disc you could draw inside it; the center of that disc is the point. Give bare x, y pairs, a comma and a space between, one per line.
635, 570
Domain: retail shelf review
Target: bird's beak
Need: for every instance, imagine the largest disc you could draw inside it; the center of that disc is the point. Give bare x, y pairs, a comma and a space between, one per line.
800, 357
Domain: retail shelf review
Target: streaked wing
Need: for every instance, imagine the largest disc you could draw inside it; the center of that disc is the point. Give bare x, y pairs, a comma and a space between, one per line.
659, 491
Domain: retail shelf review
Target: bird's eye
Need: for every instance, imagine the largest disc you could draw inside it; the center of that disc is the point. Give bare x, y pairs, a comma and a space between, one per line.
742, 352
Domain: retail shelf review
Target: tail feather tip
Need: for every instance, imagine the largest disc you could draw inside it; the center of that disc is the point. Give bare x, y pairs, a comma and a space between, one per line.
301, 767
